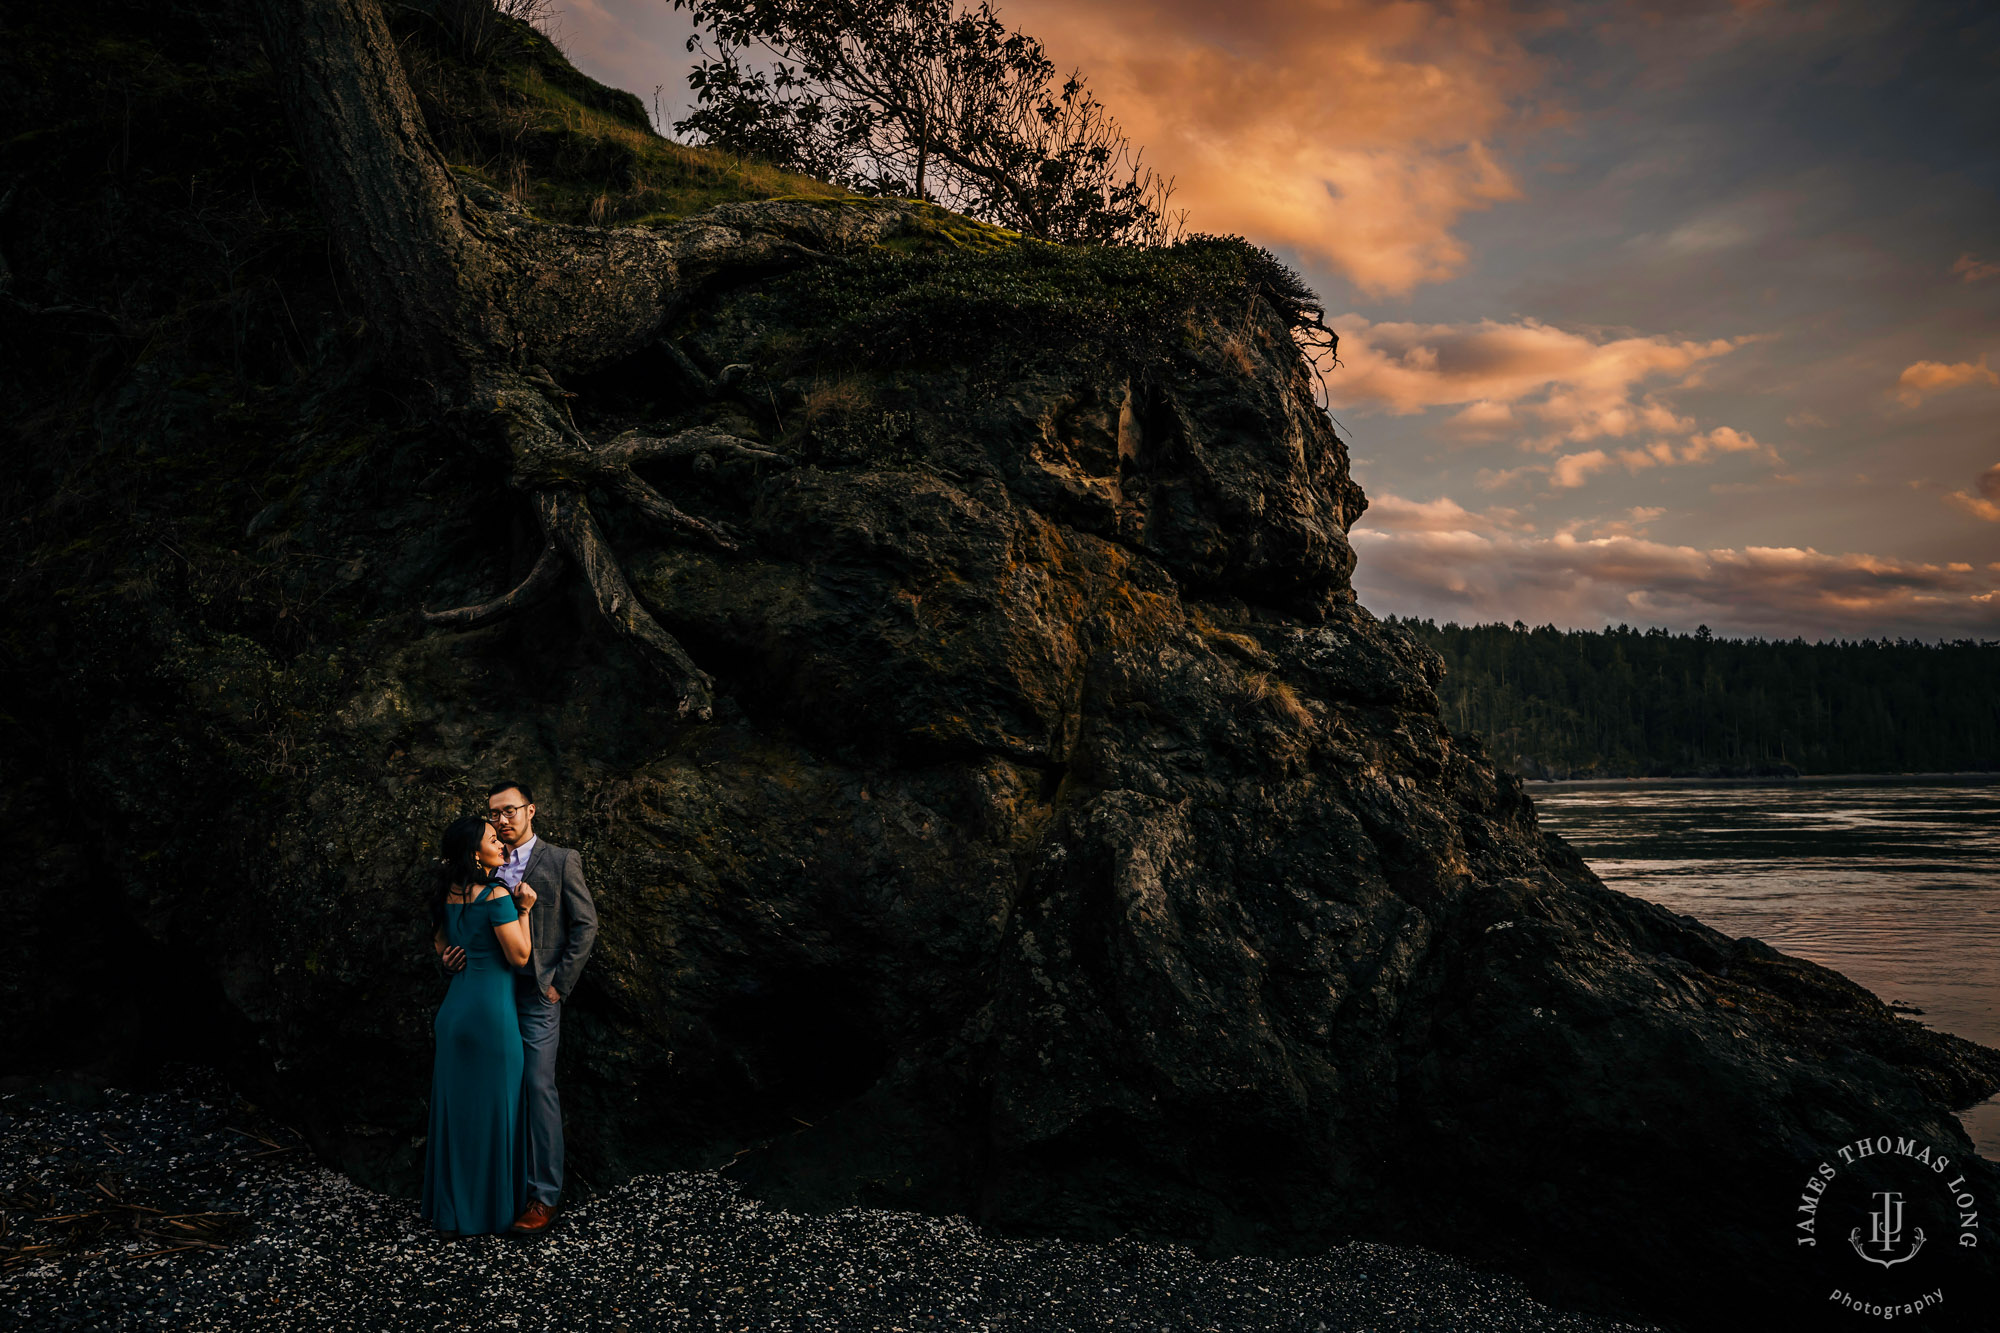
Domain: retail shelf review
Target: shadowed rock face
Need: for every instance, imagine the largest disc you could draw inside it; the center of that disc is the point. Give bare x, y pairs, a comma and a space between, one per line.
1075, 855
1070, 850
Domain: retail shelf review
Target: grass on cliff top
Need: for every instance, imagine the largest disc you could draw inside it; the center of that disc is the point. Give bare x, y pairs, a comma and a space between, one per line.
639, 178
571, 149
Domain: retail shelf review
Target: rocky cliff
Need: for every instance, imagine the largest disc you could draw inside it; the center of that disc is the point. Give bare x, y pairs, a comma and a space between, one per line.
1068, 848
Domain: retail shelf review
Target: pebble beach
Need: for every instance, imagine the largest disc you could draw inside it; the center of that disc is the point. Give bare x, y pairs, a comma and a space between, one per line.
185, 1209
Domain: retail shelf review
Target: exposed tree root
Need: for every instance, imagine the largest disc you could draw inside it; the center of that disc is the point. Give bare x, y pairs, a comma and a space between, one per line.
622, 611
463, 284
554, 463
542, 580
715, 536
633, 447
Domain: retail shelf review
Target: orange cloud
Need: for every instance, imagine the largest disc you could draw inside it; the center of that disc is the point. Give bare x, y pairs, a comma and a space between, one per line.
1930, 377
1572, 470
1354, 132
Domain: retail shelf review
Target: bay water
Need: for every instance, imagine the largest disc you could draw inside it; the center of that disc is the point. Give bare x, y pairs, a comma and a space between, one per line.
1893, 881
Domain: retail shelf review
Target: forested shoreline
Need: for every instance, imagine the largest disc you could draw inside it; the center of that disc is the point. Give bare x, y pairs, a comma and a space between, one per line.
1621, 702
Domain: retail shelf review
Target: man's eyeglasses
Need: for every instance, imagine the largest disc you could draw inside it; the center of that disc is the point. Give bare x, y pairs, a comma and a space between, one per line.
504, 812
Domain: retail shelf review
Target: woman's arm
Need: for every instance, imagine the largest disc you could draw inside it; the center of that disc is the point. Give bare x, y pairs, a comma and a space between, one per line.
512, 936
450, 958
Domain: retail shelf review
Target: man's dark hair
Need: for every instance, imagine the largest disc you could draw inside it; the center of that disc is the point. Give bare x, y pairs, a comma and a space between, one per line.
527, 792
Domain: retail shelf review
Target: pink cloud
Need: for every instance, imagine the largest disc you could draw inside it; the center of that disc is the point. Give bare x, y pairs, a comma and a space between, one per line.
1393, 513
1570, 471
1496, 479
1697, 448
637, 45
1617, 578
1985, 505
1633, 524
1975, 270
1559, 386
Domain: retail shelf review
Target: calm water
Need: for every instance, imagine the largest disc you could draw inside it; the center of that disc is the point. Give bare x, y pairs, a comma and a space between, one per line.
1894, 882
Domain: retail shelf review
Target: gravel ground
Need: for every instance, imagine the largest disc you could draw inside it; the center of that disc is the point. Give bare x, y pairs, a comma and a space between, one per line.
185, 1210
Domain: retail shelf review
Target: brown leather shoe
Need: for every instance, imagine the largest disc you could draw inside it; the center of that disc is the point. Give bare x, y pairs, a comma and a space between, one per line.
534, 1222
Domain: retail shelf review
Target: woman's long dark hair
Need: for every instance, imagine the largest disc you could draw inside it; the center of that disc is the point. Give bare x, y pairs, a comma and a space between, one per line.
458, 851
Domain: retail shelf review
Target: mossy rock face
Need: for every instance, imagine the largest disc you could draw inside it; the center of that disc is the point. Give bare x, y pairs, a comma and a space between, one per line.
1069, 850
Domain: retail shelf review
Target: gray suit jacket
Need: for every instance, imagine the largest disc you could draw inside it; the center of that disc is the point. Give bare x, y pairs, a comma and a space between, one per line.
563, 923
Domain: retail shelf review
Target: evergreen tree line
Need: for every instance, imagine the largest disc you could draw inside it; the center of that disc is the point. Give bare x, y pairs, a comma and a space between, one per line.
1553, 703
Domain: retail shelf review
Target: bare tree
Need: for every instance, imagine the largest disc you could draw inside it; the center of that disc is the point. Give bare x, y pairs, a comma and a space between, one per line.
462, 286
932, 98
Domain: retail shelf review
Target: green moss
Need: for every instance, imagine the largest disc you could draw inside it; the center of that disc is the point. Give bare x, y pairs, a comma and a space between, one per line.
943, 230
969, 289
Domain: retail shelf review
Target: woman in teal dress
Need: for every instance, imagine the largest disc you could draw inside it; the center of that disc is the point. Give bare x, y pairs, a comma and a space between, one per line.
473, 1167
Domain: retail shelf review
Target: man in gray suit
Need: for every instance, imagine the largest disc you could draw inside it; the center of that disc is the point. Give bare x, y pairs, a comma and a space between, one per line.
563, 925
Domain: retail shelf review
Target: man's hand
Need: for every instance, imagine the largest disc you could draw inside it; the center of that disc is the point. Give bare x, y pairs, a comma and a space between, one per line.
453, 958
553, 997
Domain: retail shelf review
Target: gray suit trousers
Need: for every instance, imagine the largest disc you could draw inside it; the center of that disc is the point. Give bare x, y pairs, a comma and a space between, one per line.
564, 925
541, 1029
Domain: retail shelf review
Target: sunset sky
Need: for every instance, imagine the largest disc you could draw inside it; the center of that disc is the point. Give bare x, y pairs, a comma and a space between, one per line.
1655, 313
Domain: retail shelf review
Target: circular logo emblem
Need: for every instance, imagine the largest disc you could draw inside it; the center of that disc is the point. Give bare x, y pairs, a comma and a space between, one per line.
1889, 1222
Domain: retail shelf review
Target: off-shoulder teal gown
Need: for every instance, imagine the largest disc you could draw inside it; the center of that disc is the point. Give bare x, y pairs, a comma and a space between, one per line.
474, 1171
